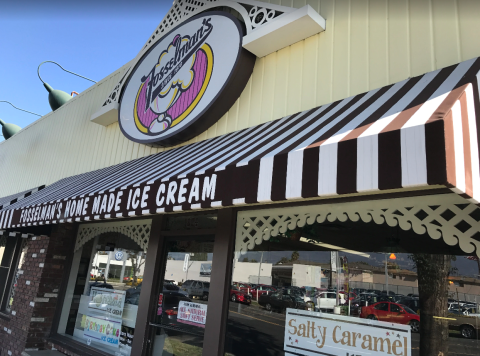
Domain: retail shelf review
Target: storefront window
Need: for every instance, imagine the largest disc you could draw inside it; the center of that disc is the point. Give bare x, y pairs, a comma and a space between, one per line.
12, 256
346, 288
183, 301
102, 297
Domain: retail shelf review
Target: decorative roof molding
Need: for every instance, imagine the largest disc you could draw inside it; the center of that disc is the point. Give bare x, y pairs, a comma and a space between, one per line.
137, 230
447, 217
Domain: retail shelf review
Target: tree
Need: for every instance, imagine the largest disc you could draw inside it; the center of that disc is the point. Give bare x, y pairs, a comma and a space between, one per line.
432, 272
253, 261
245, 259
282, 261
295, 256
137, 262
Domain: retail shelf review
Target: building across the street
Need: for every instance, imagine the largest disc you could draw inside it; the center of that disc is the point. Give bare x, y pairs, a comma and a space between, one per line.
225, 191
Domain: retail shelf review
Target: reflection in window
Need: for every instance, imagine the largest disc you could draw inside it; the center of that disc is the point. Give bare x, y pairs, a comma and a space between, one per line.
181, 313
104, 290
12, 257
321, 272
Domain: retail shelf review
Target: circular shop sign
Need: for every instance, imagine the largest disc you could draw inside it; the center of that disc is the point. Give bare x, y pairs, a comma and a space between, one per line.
119, 255
186, 82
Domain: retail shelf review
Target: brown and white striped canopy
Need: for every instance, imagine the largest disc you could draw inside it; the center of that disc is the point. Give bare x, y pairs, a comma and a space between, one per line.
419, 132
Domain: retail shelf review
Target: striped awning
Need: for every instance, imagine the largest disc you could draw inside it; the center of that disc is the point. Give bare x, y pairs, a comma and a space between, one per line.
419, 132
11, 199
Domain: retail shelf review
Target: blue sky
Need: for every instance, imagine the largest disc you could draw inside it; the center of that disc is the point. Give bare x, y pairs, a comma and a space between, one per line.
91, 38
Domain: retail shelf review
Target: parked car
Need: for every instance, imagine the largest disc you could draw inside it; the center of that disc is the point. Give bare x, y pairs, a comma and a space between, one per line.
374, 291
412, 303
359, 290
236, 295
352, 295
245, 287
198, 289
328, 300
398, 297
132, 295
468, 326
262, 289
412, 295
392, 312
281, 300
174, 288
171, 281
390, 292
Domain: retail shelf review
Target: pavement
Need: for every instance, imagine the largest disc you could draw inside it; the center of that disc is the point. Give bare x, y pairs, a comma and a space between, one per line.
256, 331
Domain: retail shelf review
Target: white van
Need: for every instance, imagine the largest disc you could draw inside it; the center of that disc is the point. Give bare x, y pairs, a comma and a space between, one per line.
328, 300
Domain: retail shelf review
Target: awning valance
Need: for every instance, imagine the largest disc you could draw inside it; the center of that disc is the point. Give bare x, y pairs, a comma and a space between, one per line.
11, 199
418, 132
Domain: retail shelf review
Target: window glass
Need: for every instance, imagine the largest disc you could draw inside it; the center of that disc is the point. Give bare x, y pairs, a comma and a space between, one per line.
394, 308
17, 272
381, 306
179, 321
341, 273
104, 289
12, 253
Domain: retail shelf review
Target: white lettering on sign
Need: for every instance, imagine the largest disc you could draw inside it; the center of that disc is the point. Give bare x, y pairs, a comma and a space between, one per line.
194, 190
310, 333
192, 313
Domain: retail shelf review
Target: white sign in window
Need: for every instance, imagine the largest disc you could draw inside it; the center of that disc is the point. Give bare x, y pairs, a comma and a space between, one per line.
313, 333
192, 313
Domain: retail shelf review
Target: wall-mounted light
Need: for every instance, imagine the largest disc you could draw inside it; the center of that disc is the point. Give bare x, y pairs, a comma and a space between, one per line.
8, 130
57, 98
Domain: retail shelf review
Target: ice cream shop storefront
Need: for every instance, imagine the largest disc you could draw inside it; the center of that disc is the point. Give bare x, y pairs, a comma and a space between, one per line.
260, 180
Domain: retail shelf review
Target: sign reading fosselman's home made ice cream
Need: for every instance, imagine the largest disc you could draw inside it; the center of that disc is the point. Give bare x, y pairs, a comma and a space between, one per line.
312, 333
141, 199
186, 81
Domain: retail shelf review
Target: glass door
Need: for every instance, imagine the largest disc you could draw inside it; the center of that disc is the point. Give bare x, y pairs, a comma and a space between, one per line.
183, 296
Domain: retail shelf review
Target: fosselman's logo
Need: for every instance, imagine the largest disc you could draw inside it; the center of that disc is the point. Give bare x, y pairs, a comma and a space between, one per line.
176, 84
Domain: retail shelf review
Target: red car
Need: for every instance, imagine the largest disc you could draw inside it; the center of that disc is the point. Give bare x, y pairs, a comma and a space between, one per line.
392, 312
237, 295
262, 289
244, 287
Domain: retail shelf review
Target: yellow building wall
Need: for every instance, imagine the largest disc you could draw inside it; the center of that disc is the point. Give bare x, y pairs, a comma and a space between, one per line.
367, 44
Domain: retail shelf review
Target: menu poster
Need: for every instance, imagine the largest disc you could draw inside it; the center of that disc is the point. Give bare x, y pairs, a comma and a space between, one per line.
192, 313
102, 330
103, 321
108, 302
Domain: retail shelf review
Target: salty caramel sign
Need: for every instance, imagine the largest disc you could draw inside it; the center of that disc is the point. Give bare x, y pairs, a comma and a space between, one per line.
312, 333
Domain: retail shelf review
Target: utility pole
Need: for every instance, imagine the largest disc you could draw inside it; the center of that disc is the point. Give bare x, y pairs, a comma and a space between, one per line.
259, 269
386, 273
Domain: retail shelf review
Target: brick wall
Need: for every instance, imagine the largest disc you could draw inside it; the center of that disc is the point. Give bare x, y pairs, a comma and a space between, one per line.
37, 291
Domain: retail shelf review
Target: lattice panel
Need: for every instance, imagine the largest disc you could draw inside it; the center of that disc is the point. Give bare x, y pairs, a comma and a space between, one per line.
254, 14
441, 216
138, 231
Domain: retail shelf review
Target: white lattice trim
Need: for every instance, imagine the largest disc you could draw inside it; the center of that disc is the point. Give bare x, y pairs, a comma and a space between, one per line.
255, 14
137, 230
446, 216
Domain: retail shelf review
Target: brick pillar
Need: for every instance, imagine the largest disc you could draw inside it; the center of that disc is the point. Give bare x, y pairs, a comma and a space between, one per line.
36, 294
